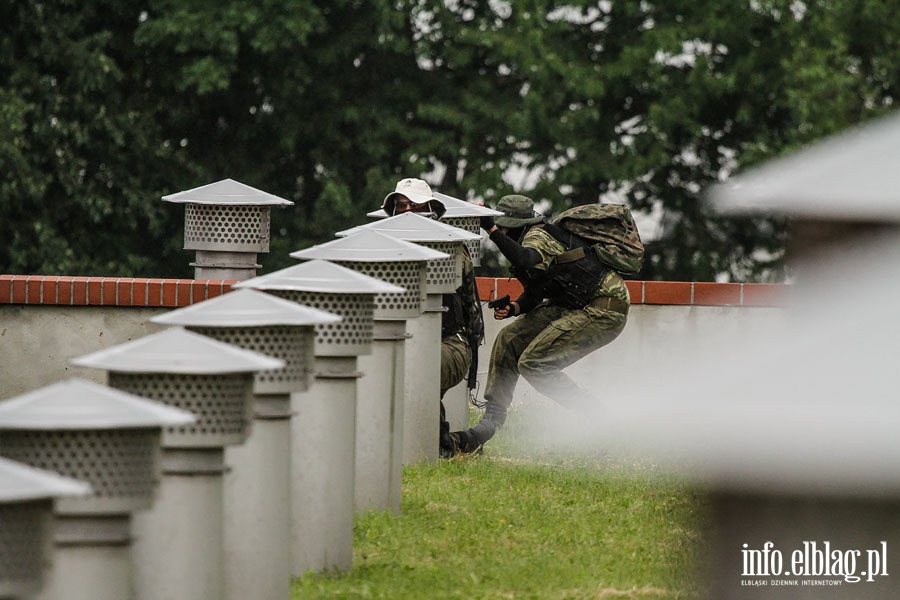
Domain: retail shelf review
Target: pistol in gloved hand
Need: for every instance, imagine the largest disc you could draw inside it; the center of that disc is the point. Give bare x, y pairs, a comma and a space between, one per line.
503, 307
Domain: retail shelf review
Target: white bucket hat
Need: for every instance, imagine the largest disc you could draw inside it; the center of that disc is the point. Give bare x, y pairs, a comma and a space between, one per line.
418, 192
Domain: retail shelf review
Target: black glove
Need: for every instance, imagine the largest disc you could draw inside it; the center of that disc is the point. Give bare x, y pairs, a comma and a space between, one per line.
487, 223
499, 302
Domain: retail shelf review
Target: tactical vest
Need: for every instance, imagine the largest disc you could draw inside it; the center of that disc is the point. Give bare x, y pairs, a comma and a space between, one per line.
572, 279
463, 313
453, 318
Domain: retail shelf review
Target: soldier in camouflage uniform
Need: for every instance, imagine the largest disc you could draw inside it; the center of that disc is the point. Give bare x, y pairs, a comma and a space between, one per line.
548, 336
457, 340
458, 332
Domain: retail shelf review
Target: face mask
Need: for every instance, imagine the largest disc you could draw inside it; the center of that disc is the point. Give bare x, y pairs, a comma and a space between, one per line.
517, 233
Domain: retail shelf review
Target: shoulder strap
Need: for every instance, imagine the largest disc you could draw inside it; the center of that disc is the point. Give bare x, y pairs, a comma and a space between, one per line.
562, 236
575, 246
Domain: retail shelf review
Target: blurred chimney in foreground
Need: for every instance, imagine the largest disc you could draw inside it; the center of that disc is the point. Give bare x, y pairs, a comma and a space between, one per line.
795, 436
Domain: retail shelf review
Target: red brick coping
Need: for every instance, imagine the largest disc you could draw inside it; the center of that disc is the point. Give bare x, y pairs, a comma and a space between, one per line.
56, 290
687, 293
107, 291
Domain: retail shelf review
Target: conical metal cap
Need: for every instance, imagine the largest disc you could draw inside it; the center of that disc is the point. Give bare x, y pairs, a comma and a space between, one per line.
227, 192
20, 483
368, 245
320, 276
245, 308
415, 228
177, 351
80, 404
461, 208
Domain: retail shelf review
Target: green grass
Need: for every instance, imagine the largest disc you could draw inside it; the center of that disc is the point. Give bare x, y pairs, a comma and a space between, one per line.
512, 524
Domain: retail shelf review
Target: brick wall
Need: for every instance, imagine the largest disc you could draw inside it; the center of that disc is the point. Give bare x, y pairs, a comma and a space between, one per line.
45, 321
171, 293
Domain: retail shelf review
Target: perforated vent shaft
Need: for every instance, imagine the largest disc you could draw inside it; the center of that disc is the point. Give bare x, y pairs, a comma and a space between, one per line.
470, 224
24, 536
120, 464
444, 274
226, 228
406, 274
352, 336
292, 344
221, 403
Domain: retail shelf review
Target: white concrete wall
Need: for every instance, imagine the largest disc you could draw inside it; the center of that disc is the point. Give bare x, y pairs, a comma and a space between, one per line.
37, 341
651, 331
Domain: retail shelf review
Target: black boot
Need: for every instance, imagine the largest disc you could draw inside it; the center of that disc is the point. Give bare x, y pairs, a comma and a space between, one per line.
470, 441
494, 413
449, 444
473, 439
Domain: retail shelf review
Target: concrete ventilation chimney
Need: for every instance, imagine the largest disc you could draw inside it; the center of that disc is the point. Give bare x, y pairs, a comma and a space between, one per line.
459, 213
466, 216
379, 457
257, 488
324, 428
179, 551
423, 364
109, 439
26, 525
228, 224
802, 453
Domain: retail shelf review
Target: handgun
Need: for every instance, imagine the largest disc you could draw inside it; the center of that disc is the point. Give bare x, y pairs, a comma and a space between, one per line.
499, 302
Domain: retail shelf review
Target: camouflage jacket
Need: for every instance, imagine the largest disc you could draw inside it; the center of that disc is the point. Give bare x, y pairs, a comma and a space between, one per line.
548, 247
462, 312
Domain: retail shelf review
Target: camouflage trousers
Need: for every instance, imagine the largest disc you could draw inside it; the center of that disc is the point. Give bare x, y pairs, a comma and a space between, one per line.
538, 345
455, 361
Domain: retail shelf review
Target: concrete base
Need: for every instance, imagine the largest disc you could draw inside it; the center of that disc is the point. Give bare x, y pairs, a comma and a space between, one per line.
322, 468
211, 264
379, 420
422, 388
178, 551
257, 506
91, 559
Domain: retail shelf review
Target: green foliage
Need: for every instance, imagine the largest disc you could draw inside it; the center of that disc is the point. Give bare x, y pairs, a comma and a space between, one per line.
106, 106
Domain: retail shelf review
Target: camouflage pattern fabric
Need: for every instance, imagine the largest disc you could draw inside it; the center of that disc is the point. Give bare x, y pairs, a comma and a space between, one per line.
612, 229
548, 247
455, 361
542, 342
539, 345
466, 296
456, 354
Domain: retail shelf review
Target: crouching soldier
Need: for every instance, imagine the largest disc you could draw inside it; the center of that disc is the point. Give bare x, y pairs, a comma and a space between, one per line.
572, 304
462, 328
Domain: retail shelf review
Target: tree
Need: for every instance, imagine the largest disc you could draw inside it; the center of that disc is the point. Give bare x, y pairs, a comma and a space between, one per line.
107, 106
82, 159
653, 102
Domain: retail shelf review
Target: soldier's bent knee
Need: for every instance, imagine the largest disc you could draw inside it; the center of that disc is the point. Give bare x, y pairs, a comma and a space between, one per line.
531, 367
